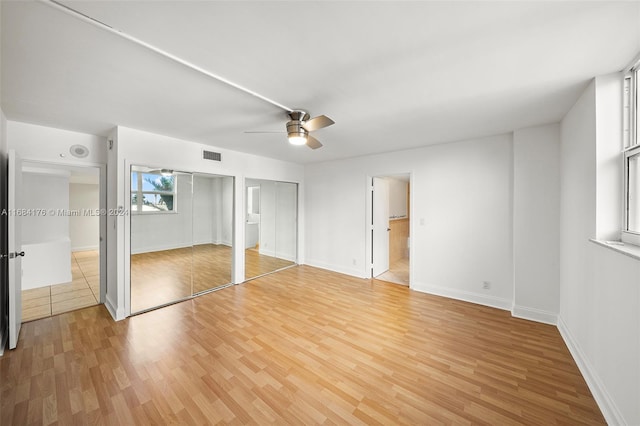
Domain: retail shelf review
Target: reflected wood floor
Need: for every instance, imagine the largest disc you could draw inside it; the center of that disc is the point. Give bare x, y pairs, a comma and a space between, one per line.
300, 346
82, 291
162, 277
256, 264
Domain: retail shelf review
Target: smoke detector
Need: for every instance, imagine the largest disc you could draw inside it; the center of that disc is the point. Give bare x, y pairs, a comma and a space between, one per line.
79, 151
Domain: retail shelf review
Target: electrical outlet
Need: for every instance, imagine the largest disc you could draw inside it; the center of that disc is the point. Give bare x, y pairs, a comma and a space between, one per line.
486, 285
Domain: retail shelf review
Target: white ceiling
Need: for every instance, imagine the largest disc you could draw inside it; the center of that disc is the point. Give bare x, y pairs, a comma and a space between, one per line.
393, 75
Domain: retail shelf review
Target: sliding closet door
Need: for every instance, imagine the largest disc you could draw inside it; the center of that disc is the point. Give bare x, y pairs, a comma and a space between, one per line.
212, 231
286, 234
161, 237
271, 226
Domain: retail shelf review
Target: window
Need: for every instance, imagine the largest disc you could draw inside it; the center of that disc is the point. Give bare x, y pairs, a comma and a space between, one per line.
631, 122
153, 192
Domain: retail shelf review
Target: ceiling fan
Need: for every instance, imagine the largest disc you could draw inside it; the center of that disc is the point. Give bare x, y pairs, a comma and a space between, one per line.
300, 126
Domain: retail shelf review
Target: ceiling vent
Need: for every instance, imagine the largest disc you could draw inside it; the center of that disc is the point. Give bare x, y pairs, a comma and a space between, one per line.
210, 155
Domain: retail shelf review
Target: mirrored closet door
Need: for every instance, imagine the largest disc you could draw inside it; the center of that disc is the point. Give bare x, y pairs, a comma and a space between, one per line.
271, 226
181, 235
212, 231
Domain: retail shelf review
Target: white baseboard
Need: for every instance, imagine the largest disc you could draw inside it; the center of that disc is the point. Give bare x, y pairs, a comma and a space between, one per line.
158, 248
272, 253
84, 248
115, 314
333, 268
265, 252
610, 411
466, 296
533, 314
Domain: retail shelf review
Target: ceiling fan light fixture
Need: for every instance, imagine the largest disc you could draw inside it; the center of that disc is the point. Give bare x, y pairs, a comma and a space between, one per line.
298, 139
296, 133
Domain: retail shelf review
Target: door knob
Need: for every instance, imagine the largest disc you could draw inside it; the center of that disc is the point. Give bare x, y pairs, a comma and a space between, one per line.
20, 254
16, 254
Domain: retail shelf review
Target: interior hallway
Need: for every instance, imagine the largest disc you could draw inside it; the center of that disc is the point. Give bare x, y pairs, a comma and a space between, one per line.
82, 291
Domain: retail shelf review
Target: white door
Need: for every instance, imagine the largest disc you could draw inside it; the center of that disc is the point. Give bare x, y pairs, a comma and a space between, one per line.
380, 252
15, 248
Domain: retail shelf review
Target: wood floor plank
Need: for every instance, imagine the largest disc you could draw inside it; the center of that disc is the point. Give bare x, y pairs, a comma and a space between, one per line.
301, 346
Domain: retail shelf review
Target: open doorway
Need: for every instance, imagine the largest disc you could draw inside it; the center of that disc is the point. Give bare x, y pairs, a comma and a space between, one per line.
390, 228
61, 238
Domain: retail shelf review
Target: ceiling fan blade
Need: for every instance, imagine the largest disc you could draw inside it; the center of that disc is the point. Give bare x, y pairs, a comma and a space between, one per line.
313, 143
265, 131
317, 123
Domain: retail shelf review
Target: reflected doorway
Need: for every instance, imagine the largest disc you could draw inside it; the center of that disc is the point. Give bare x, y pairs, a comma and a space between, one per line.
271, 226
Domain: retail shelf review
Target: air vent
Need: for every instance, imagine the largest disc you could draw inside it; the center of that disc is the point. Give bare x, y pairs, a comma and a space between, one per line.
210, 155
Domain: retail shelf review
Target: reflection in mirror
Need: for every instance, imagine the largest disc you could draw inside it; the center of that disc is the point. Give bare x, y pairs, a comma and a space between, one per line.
181, 235
253, 200
270, 226
212, 231
161, 237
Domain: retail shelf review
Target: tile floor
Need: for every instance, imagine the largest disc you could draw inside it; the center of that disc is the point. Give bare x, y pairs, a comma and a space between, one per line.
82, 291
398, 272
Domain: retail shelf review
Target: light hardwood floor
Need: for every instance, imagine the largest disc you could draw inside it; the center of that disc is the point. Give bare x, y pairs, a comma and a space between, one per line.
301, 346
82, 291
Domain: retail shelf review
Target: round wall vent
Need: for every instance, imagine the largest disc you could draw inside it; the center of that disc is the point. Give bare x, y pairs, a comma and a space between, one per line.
79, 151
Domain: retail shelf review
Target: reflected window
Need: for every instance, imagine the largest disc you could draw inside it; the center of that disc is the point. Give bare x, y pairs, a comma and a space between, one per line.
153, 192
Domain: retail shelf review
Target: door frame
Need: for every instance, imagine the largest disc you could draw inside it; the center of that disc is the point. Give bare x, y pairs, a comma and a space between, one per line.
369, 217
102, 194
14, 253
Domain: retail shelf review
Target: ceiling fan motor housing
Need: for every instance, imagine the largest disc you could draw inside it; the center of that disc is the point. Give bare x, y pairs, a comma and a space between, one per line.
294, 127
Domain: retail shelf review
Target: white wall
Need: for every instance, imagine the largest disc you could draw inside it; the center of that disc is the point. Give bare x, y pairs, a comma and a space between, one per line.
397, 197
40, 143
137, 147
609, 167
599, 288
48, 193
460, 208
204, 214
84, 230
286, 220
268, 218
225, 230
45, 236
536, 216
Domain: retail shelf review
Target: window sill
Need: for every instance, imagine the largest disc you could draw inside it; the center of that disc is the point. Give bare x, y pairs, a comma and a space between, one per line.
627, 249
